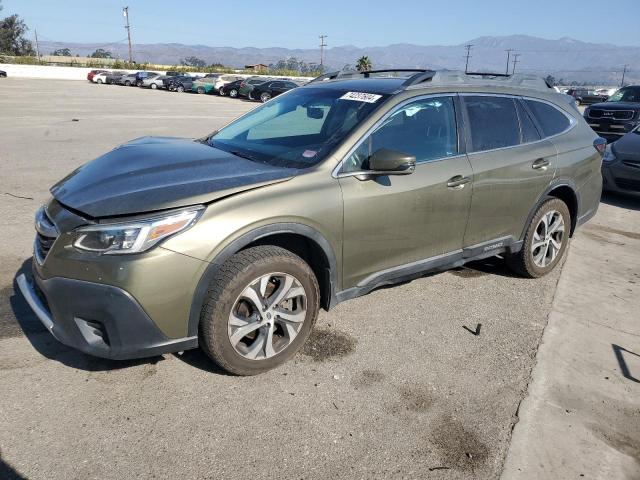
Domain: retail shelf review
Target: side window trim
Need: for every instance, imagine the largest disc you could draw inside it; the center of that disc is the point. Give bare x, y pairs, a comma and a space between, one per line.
523, 108
337, 171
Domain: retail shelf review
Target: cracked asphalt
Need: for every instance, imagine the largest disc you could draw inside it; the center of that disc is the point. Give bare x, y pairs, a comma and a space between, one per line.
390, 385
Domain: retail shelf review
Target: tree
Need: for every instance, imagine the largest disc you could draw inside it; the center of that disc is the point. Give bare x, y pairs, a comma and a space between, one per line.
101, 53
193, 62
364, 64
12, 41
61, 52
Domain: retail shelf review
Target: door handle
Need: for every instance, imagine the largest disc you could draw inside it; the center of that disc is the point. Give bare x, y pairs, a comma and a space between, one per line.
458, 182
540, 164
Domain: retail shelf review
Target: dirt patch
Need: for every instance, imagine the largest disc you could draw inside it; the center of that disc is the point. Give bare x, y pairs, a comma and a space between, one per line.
327, 343
456, 446
624, 233
467, 273
416, 399
368, 378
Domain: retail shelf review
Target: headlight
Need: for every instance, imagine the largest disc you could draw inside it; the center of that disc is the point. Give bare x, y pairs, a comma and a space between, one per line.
609, 156
135, 236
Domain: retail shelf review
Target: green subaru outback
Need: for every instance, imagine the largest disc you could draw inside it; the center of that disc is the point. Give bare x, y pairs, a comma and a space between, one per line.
232, 243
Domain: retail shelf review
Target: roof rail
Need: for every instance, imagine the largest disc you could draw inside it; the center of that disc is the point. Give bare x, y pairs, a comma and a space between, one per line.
455, 77
342, 74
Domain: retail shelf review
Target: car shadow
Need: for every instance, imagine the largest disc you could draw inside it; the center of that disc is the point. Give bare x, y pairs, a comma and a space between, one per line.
47, 346
622, 201
198, 359
7, 472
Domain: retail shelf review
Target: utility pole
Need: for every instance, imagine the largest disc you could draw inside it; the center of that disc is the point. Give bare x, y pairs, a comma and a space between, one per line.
125, 12
466, 65
38, 47
508, 50
322, 45
624, 71
515, 62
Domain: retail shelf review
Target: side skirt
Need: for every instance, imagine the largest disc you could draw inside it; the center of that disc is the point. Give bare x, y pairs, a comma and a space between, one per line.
439, 263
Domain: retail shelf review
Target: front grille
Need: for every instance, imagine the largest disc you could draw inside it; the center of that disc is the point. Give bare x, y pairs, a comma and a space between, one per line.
612, 114
46, 235
628, 184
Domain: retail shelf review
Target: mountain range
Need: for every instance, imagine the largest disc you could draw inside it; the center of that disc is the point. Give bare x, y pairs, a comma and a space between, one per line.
566, 58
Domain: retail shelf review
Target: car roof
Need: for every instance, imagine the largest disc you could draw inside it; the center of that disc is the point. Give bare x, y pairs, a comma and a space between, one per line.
371, 85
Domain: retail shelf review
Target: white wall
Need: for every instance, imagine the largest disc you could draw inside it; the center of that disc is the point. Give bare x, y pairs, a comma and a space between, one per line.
61, 73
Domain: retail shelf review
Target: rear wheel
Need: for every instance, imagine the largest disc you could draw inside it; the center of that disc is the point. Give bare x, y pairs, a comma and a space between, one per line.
260, 309
545, 242
200, 89
233, 93
127, 83
99, 81
221, 92
265, 97
153, 86
180, 88
139, 83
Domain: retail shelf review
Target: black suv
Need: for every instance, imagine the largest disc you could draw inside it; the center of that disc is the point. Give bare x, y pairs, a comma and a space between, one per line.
618, 115
585, 97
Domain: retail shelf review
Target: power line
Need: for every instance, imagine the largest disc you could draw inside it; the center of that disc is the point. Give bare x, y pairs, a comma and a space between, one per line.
515, 62
466, 65
508, 50
322, 45
125, 12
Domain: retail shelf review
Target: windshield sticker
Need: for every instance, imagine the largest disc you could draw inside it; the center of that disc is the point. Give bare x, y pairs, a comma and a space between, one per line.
309, 153
361, 97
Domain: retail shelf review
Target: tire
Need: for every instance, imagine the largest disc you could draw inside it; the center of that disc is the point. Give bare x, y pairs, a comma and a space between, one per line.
154, 86
127, 83
258, 351
99, 81
543, 247
139, 83
221, 92
180, 89
265, 97
233, 93
200, 89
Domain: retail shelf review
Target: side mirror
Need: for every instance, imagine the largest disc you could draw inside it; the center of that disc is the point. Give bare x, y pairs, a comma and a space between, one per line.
391, 162
315, 112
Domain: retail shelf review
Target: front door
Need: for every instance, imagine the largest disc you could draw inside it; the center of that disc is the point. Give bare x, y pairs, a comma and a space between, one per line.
393, 221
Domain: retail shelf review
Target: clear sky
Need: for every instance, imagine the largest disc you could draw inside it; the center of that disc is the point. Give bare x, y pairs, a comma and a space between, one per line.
297, 23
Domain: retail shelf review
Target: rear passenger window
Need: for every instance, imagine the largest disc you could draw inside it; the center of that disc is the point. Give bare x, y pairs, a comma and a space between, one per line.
528, 129
549, 118
493, 122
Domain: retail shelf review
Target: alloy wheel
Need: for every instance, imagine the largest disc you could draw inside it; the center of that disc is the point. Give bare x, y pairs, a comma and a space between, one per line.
267, 316
547, 239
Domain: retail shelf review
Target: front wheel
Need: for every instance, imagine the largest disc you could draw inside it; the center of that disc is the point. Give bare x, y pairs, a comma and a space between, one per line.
221, 92
200, 89
127, 83
265, 97
180, 89
260, 309
153, 86
99, 81
545, 242
233, 93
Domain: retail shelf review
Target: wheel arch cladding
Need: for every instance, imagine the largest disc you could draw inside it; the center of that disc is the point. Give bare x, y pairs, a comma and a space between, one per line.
569, 197
299, 239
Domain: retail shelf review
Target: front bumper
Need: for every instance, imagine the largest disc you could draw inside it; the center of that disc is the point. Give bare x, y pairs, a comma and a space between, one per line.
97, 319
611, 130
620, 178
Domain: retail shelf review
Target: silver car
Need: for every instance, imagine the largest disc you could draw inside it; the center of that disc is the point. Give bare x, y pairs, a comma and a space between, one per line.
154, 82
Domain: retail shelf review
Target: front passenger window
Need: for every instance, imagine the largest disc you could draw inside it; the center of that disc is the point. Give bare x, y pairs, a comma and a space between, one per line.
424, 128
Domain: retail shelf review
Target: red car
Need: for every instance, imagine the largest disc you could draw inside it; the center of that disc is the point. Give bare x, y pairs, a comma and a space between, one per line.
92, 73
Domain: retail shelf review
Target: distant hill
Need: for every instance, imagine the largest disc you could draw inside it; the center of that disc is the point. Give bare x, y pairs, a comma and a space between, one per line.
563, 58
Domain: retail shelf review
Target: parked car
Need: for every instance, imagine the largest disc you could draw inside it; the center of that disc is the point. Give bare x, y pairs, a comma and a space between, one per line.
248, 84
204, 85
114, 76
135, 79
619, 114
362, 182
179, 83
3, 74
154, 81
230, 89
585, 97
267, 90
621, 165
225, 79
92, 73
100, 77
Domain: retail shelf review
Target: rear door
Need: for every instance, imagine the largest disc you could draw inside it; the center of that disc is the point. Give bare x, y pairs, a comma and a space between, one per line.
512, 165
396, 222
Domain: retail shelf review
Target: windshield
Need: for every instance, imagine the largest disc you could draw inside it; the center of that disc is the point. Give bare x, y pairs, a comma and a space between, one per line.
297, 129
626, 94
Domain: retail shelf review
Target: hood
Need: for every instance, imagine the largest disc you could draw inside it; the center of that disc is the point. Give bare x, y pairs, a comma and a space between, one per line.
628, 147
616, 105
157, 173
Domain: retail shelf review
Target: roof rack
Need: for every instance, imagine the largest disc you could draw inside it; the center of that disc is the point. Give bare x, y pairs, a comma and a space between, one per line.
386, 73
456, 77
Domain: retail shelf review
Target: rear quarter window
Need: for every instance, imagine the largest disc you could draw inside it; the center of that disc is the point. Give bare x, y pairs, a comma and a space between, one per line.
550, 119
